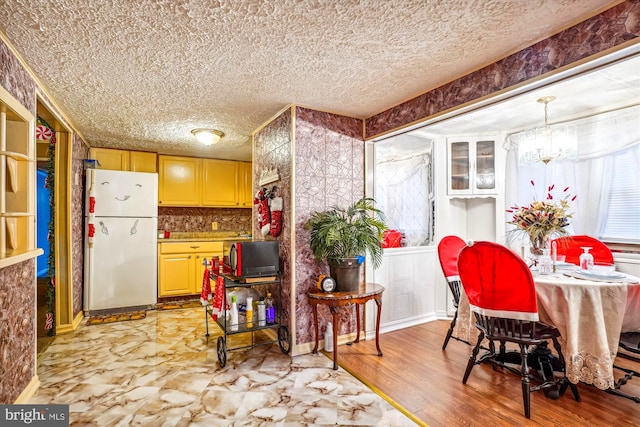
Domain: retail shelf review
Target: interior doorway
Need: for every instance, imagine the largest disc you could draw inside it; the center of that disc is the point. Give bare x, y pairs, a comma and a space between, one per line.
53, 295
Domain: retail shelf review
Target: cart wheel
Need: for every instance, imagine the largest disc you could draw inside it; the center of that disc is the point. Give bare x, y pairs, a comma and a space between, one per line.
222, 352
283, 339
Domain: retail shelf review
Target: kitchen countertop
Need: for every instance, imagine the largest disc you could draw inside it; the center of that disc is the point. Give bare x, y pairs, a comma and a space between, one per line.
214, 236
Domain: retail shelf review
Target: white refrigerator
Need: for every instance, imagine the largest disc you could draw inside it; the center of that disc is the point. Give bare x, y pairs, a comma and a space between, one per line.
120, 263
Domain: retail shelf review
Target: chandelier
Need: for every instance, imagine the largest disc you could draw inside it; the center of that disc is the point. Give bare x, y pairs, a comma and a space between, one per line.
547, 143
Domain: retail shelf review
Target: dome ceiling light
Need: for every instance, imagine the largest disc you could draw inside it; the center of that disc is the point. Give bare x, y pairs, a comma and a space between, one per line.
208, 136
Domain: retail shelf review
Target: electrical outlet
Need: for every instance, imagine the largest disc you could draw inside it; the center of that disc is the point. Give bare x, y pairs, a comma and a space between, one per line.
214, 225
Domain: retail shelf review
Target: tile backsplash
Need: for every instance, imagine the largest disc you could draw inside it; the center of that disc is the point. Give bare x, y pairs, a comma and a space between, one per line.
198, 220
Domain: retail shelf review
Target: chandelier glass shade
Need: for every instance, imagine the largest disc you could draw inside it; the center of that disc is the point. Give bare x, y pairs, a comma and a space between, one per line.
208, 136
548, 142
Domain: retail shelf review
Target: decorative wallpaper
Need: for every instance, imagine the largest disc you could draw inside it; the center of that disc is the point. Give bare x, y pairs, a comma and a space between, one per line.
200, 219
609, 29
79, 152
17, 329
272, 149
15, 79
329, 159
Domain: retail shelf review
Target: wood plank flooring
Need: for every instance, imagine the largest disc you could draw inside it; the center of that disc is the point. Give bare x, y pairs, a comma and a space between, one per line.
427, 382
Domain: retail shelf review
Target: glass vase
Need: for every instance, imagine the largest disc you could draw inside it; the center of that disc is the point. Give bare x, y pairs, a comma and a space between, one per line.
538, 243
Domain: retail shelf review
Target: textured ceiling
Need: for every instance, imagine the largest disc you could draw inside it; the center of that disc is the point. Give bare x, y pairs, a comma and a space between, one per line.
142, 74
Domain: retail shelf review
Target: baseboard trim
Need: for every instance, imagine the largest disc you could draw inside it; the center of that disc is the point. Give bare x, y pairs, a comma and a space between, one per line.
307, 347
29, 391
76, 322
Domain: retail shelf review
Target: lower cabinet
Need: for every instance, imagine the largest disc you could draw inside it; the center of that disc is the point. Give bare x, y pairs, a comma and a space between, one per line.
180, 266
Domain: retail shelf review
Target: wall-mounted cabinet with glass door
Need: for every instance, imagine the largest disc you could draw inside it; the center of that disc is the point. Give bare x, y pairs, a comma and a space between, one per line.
471, 165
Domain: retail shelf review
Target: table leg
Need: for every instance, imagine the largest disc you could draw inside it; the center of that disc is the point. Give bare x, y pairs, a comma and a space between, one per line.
315, 322
357, 323
334, 311
379, 304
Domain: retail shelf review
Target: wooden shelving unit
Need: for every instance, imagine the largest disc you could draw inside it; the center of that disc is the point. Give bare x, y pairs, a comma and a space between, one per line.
17, 181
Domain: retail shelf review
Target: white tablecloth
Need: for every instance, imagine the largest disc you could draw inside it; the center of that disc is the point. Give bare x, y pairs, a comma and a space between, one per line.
590, 317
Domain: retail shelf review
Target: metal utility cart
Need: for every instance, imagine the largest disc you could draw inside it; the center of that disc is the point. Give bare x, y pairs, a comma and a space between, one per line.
263, 285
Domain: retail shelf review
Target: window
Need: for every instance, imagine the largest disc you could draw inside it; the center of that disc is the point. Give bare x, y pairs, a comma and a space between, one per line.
604, 178
403, 186
621, 222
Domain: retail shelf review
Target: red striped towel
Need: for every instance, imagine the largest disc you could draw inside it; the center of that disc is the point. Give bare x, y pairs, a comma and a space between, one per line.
218, 298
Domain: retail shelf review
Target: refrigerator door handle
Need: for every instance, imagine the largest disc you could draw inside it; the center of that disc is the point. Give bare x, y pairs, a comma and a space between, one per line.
134, 229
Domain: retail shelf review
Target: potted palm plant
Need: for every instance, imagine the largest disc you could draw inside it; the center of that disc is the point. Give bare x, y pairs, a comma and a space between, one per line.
343, 236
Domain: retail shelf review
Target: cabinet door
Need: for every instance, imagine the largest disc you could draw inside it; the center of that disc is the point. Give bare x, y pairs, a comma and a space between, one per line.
484, 177
110, 159
141, 161
245, 178
176, 275
220, 183
179, 181
459, 173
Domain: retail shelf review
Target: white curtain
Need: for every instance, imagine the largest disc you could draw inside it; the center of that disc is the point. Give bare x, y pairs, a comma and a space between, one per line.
600, 138
403, 186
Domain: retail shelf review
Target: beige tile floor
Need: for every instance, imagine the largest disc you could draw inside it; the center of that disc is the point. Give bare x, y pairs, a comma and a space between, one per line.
163, 371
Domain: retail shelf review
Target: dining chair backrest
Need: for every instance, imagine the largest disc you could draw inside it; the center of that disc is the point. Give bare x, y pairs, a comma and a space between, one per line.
571, 247
497, 282
448, 250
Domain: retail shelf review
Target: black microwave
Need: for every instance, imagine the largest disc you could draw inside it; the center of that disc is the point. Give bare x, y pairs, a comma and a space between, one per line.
254, 259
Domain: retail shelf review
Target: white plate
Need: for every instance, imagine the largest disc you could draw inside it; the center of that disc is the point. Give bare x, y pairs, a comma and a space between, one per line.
603, 275
611, 277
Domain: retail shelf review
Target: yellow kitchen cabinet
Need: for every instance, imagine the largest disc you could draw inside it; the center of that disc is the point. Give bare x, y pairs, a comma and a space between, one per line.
111, 159
245, 176
220, 183
124, 160
180, 266
142, 161
179, 181
176, 275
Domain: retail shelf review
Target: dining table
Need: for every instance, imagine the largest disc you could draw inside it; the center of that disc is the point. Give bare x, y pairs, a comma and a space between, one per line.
590, 312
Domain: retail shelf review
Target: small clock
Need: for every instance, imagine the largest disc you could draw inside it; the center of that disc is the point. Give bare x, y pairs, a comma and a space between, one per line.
326, 283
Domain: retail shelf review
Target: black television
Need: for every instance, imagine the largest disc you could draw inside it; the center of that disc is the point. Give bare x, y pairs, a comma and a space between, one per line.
254, 259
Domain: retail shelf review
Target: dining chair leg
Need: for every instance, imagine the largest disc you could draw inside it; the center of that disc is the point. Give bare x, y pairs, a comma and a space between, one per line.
450, 331
566, 383
526, 383
472, 358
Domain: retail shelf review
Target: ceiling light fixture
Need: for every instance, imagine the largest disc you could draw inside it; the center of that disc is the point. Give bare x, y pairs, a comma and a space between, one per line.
208, 136
547, 143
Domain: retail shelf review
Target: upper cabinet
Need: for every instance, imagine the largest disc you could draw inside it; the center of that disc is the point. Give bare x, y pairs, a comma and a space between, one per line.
142, 161
189, 181
179, 181
17, 182
471, 166
124, 160
220, 183
245, 174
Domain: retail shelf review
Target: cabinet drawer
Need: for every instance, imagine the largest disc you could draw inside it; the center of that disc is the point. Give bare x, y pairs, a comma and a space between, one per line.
190, 247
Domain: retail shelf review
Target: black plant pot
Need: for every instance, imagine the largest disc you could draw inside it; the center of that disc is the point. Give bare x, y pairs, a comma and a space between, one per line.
346, 272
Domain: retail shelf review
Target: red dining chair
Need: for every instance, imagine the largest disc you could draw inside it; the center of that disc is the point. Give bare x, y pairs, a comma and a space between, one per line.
448, 250
502, 296
571, 246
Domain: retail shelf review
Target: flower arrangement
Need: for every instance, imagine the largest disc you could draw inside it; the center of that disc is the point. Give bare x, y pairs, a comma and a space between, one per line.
542, 218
